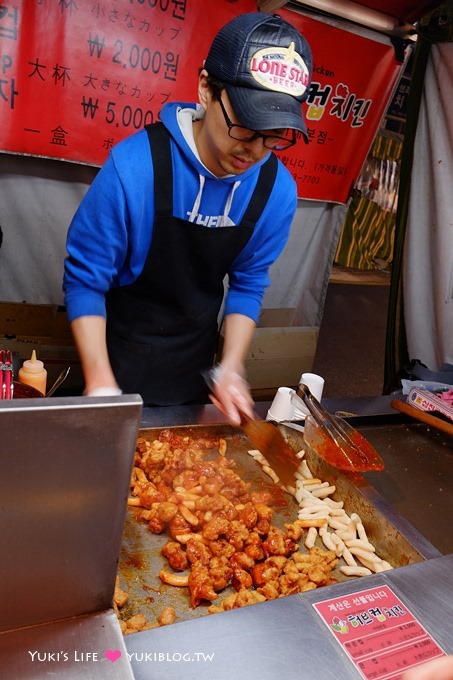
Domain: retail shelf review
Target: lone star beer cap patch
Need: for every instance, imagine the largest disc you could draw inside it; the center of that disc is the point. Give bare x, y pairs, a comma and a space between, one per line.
265, 66
281, 70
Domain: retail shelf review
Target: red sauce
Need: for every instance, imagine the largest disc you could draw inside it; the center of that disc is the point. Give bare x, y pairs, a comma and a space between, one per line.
365, 459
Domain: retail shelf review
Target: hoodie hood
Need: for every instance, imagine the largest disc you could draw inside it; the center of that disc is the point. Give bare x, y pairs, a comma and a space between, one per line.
169, 117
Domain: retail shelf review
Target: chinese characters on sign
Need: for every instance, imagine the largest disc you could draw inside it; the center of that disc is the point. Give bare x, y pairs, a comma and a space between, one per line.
112, 64
109, 68
378, 632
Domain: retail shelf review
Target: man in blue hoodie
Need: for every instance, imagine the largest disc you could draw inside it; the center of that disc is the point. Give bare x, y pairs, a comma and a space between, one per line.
184, 220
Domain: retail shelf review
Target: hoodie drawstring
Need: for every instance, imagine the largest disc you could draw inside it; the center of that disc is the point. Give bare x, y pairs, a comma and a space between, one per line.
196, 205
225, 220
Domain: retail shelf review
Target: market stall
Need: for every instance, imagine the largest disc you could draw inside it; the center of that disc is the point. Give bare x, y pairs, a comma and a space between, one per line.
90, 486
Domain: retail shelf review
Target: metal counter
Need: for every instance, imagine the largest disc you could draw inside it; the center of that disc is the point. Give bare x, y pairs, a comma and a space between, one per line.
281, 637
286, 637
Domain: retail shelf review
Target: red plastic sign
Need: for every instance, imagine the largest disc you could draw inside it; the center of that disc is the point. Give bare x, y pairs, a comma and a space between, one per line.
77, 77
378, 632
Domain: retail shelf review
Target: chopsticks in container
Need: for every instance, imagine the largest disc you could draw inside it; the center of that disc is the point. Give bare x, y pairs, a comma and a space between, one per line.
6, 374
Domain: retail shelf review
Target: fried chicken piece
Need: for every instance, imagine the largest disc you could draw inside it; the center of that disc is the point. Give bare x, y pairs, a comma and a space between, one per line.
237, 534
148, 495
135, 623
200, 585
263, 524
277, 561
270, 590
153, 456
166, 511
155, 523
120, 596
262, 527
277, 543
261, 497
234, 487
187, 479
248, 515
254, 547
215, 528
167, 616
205, 469
197, 551
242, 561
178, 525
274, 543
221, 548
264, 511
141, 445
241, 579
294, 530
287, 586
212, 486
176, 556
264, 572
218, 505
220, 572
241, 599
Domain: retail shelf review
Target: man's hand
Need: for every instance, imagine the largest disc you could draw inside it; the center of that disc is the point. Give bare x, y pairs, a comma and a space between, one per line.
438, 669
231, 394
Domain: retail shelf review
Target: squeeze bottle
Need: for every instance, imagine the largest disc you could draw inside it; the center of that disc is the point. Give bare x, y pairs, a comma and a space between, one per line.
33, 373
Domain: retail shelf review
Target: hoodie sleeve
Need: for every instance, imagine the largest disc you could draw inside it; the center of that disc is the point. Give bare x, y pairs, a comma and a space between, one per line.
112, 223
249, 276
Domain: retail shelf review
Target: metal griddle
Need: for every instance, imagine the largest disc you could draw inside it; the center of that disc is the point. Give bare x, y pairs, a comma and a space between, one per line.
140, 558
284, 638
418, 477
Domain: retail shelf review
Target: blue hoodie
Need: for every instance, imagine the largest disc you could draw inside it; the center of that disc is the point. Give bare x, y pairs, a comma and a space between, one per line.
111, 232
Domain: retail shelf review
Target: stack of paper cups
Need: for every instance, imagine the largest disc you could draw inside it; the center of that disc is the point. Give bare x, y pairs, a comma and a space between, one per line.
282, 407
315, 384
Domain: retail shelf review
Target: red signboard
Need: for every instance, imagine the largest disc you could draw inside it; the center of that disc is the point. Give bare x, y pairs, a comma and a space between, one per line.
353, 79
378, 632
77, 77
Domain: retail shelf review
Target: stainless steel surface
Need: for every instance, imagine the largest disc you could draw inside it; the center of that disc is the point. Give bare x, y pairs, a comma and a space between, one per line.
74, 649
286, 638
65, 468
207, 413
418, 477
427, 417
415, 488
141, 559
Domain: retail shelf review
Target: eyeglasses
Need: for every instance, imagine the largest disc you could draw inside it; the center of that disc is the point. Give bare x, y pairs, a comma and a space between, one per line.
244, 134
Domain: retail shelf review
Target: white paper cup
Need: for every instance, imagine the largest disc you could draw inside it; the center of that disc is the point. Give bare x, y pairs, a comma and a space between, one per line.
282, 406
315, 384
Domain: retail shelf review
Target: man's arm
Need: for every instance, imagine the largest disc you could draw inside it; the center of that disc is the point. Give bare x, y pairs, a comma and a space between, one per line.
232, 393
90, 339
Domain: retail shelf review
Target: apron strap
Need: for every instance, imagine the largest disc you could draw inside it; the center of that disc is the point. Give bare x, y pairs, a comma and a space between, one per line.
263, 189
159, 141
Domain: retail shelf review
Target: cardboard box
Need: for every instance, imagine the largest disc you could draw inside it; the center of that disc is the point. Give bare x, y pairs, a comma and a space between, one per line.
26, 327
279, 355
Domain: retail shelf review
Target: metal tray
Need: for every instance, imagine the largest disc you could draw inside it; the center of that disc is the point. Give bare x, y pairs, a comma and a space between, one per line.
140, 559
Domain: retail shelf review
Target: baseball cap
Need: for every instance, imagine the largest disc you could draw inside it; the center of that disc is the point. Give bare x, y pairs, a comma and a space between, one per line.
265, 65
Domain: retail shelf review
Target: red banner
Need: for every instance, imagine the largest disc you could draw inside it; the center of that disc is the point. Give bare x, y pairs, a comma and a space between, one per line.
77, 77
353, 80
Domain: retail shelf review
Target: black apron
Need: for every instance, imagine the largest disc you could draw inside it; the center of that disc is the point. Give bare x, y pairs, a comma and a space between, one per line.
162, 330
